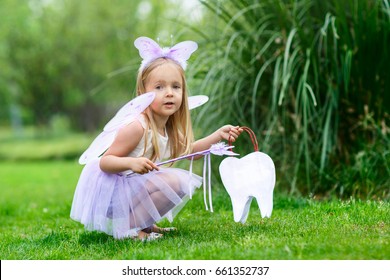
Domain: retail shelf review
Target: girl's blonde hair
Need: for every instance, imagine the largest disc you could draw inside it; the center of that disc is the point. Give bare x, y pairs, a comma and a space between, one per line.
179, 128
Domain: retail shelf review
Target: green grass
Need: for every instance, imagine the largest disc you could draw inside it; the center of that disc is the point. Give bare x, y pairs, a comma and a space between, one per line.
34, 224
34, 145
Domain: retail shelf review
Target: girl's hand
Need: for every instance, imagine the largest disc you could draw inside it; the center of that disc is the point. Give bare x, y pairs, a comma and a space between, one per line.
223, 133
230, 132
142, 165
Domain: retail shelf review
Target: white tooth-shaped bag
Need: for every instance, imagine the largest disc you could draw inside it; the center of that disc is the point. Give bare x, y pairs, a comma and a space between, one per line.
252, 176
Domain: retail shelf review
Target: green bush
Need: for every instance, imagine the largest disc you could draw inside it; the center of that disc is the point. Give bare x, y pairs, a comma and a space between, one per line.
311, 79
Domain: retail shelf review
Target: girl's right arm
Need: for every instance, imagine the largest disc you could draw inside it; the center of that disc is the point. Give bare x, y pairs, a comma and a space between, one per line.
116, 159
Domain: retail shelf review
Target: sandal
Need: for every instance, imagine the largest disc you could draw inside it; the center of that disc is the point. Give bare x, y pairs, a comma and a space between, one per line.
167, 229
149, 236
152, 236
157, 229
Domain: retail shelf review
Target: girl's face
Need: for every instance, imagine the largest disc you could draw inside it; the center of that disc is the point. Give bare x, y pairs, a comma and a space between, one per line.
166, 81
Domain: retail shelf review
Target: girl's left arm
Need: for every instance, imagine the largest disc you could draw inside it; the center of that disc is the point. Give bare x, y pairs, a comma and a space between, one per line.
224, 133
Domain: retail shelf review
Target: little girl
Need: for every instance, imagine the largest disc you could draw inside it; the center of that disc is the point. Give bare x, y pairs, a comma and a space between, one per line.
130, 206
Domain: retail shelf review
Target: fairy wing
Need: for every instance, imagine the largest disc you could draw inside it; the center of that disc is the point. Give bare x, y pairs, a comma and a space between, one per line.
127, 114
196, 101
130, 111
138, 105
101, 143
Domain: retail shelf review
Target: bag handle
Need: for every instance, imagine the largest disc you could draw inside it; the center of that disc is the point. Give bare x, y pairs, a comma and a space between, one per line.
251, 135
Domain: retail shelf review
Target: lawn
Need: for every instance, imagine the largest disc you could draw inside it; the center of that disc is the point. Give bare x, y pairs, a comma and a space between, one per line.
36, 197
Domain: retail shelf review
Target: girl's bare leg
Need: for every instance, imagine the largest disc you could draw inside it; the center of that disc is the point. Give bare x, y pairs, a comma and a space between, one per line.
162, 203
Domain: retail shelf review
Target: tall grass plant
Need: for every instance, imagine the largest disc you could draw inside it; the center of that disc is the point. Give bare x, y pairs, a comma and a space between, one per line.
311, 79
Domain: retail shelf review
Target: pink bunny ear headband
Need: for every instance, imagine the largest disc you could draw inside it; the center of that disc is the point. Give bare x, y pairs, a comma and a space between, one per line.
149, 51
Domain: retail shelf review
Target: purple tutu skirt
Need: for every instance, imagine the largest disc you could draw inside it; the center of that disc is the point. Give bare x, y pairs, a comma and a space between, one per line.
123, 205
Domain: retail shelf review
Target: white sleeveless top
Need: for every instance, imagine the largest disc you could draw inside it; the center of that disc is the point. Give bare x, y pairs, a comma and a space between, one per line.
162, 142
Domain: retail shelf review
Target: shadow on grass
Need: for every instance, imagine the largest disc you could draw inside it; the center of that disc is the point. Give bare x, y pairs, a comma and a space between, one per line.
84, 239
88, 238
285, 202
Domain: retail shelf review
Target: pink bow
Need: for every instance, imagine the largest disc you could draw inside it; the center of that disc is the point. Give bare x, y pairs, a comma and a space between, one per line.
149, 51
